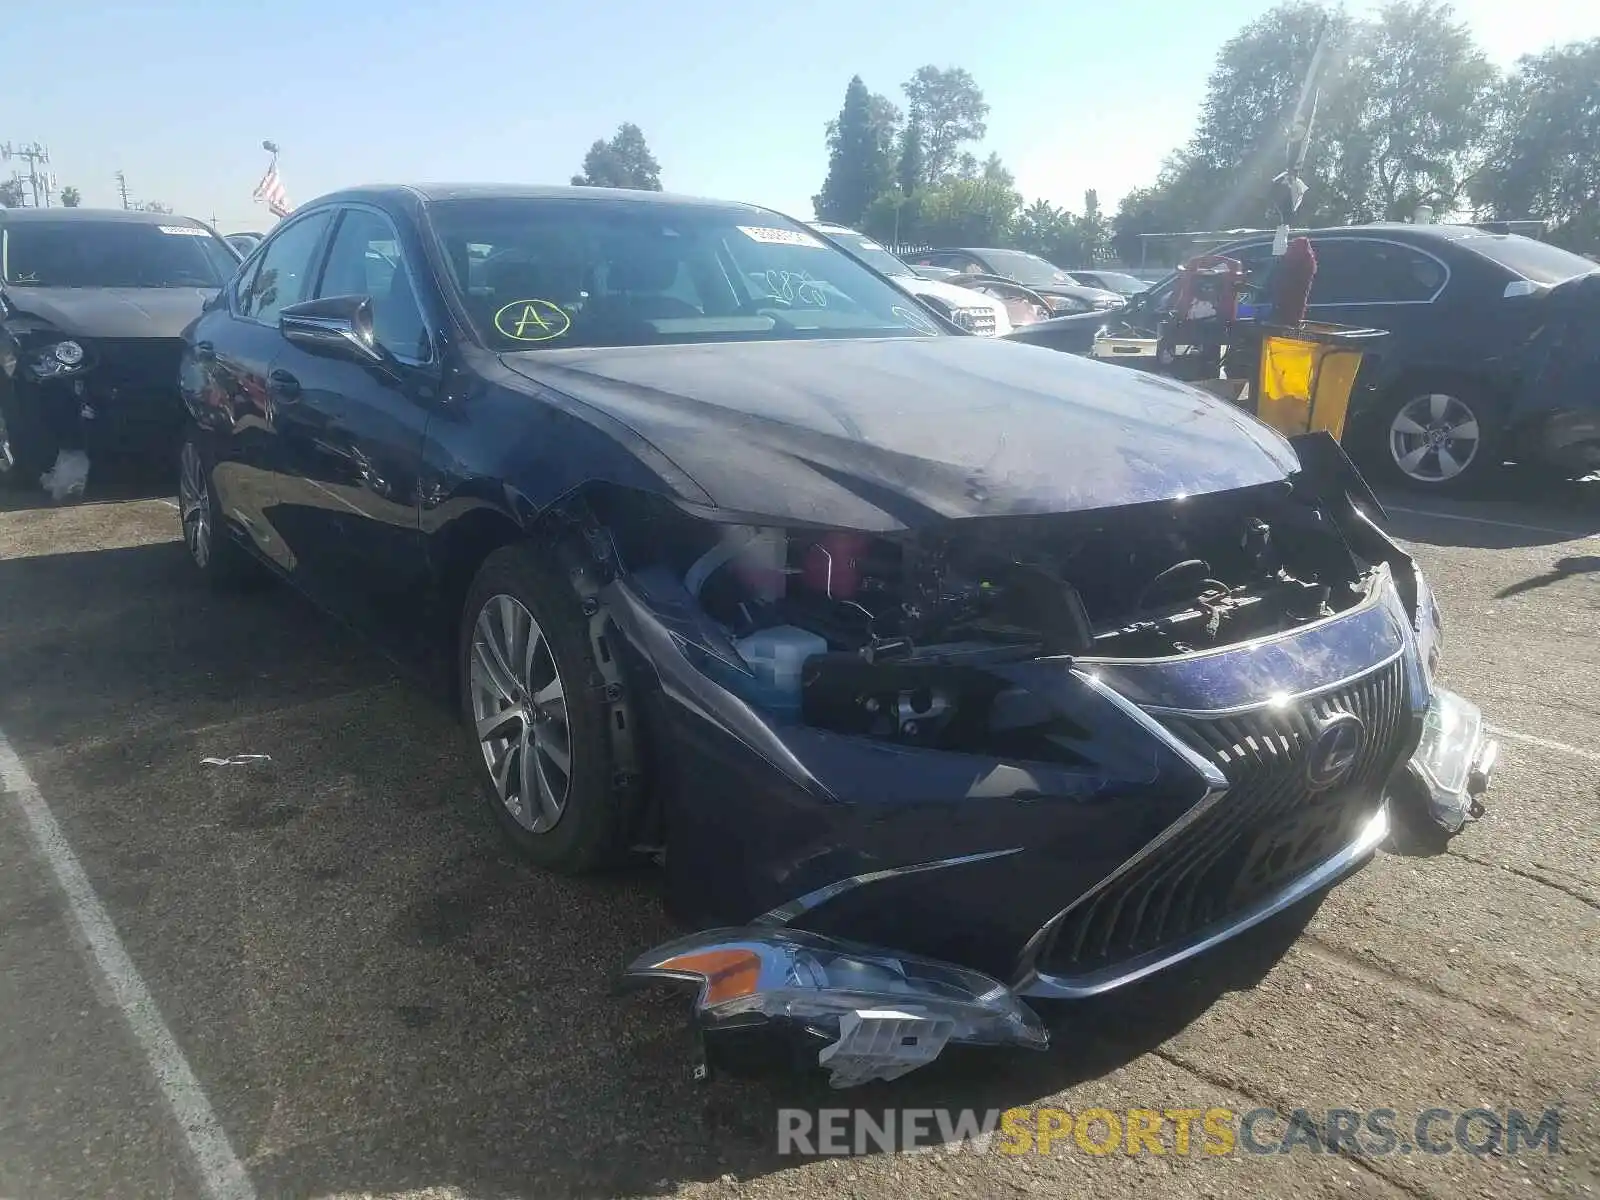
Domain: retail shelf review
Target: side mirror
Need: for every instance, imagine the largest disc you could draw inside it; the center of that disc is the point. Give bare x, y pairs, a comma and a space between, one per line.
340, 325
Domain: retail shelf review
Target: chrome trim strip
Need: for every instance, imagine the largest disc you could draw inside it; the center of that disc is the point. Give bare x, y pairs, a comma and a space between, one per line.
1216, 789
1051, 987
1274, 702
786, 913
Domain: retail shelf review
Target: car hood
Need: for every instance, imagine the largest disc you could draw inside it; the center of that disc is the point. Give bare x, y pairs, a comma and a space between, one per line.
951, 294
112, 312
1075, 291
888, 434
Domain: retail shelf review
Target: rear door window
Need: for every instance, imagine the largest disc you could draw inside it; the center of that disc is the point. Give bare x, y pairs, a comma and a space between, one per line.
1363, 271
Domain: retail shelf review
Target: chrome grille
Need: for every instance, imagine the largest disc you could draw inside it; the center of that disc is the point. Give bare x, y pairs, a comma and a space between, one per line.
1214, 867
976, 320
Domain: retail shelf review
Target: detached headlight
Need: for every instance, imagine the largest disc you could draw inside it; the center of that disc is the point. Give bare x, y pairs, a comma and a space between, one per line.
1429, 630
882, 1013
1105, 302
1063, 305
61, 358
1454, 760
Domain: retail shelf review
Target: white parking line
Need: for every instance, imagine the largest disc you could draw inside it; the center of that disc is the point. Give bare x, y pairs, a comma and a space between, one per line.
1569, 534
221, 1174
1544, 743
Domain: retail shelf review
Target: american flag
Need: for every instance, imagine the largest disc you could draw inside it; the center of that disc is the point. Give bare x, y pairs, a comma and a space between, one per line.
271, 192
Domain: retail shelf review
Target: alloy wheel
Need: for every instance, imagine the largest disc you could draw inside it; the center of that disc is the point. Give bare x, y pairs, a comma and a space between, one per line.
519, 708
194, 505
1434, 438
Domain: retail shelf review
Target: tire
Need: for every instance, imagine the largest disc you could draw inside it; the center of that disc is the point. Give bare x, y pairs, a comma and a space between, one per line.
523, 648
222, 562
25, 453
1436, 435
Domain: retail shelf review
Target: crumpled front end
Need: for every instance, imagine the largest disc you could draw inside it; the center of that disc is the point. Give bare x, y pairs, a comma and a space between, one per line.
912, 785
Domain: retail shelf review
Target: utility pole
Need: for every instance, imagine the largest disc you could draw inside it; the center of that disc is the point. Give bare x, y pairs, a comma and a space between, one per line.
122, 186
33, 154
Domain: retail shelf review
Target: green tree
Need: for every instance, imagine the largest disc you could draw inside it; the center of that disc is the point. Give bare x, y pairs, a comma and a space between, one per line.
1427, 99
1040, 227
1405, 102
13, 193
1544, 158
861, 159
969, 212
1094, 232
70, 197
624, 161
951, 111
911, 165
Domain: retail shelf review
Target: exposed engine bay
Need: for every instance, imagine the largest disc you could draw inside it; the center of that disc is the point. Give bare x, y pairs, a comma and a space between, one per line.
888, 636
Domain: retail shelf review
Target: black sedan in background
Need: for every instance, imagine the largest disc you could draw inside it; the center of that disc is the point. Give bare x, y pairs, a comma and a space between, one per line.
1061, 291
939, 672
92, 307
1445, 399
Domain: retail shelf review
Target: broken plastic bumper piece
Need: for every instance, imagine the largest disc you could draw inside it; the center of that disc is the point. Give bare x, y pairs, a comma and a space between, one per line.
870, 1013
1455, 760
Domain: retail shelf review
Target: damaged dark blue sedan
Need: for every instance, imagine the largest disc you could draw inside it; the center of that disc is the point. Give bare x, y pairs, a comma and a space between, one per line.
941, 674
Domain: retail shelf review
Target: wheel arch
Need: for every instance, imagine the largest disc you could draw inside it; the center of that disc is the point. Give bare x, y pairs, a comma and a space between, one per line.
573, 532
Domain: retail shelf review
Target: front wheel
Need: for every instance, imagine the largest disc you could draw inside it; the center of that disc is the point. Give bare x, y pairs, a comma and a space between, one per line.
1441, 437
221, 561
533, 705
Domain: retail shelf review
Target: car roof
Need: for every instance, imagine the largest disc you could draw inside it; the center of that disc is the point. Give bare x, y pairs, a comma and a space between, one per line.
23, 216
431, 192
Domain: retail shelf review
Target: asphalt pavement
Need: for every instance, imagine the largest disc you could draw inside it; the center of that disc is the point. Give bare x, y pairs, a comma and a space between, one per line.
258, 939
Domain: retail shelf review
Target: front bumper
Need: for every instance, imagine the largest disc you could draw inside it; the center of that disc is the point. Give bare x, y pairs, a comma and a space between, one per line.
871, 1013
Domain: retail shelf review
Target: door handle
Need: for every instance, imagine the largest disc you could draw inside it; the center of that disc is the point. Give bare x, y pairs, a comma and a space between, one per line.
283, 386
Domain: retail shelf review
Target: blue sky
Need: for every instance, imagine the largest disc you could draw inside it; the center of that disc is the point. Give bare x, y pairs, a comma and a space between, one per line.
732, 96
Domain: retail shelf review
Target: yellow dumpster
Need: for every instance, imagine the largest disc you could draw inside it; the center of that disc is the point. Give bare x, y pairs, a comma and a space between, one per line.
1307, 373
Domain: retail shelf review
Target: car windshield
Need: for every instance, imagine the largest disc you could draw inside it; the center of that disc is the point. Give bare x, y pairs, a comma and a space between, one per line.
1027, 268
539, 273
1535, 260
869, 252
128, 254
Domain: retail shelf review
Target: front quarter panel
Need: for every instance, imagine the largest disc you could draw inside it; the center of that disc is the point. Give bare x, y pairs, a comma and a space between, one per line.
503, 444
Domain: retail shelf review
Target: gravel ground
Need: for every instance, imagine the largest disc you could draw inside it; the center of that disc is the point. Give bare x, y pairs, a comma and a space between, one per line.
373, 999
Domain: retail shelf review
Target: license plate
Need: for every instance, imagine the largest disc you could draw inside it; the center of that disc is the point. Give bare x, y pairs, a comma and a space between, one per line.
1290, 848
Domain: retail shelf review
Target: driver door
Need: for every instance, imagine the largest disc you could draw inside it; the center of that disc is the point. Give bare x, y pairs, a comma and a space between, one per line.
352, 436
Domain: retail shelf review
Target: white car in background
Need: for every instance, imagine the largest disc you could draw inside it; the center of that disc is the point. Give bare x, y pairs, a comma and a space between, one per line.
973, 311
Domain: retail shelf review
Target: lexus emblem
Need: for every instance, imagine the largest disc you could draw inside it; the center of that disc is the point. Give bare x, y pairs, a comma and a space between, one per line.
1335, 747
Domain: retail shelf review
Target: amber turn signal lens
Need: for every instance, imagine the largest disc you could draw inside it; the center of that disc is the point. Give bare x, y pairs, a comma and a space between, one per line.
729, 974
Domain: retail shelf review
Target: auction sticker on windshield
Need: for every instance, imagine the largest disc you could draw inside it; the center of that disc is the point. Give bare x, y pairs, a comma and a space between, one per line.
532, 320
779, 237
183, 230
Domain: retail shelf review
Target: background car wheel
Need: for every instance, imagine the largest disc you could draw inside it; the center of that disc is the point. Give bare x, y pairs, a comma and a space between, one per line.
1441, 436
533, 705
24, 455
222, 561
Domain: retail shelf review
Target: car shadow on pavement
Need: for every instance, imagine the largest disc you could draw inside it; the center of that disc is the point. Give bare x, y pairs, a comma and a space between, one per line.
375, 993
603, 1123
1518, 508
1565, 568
